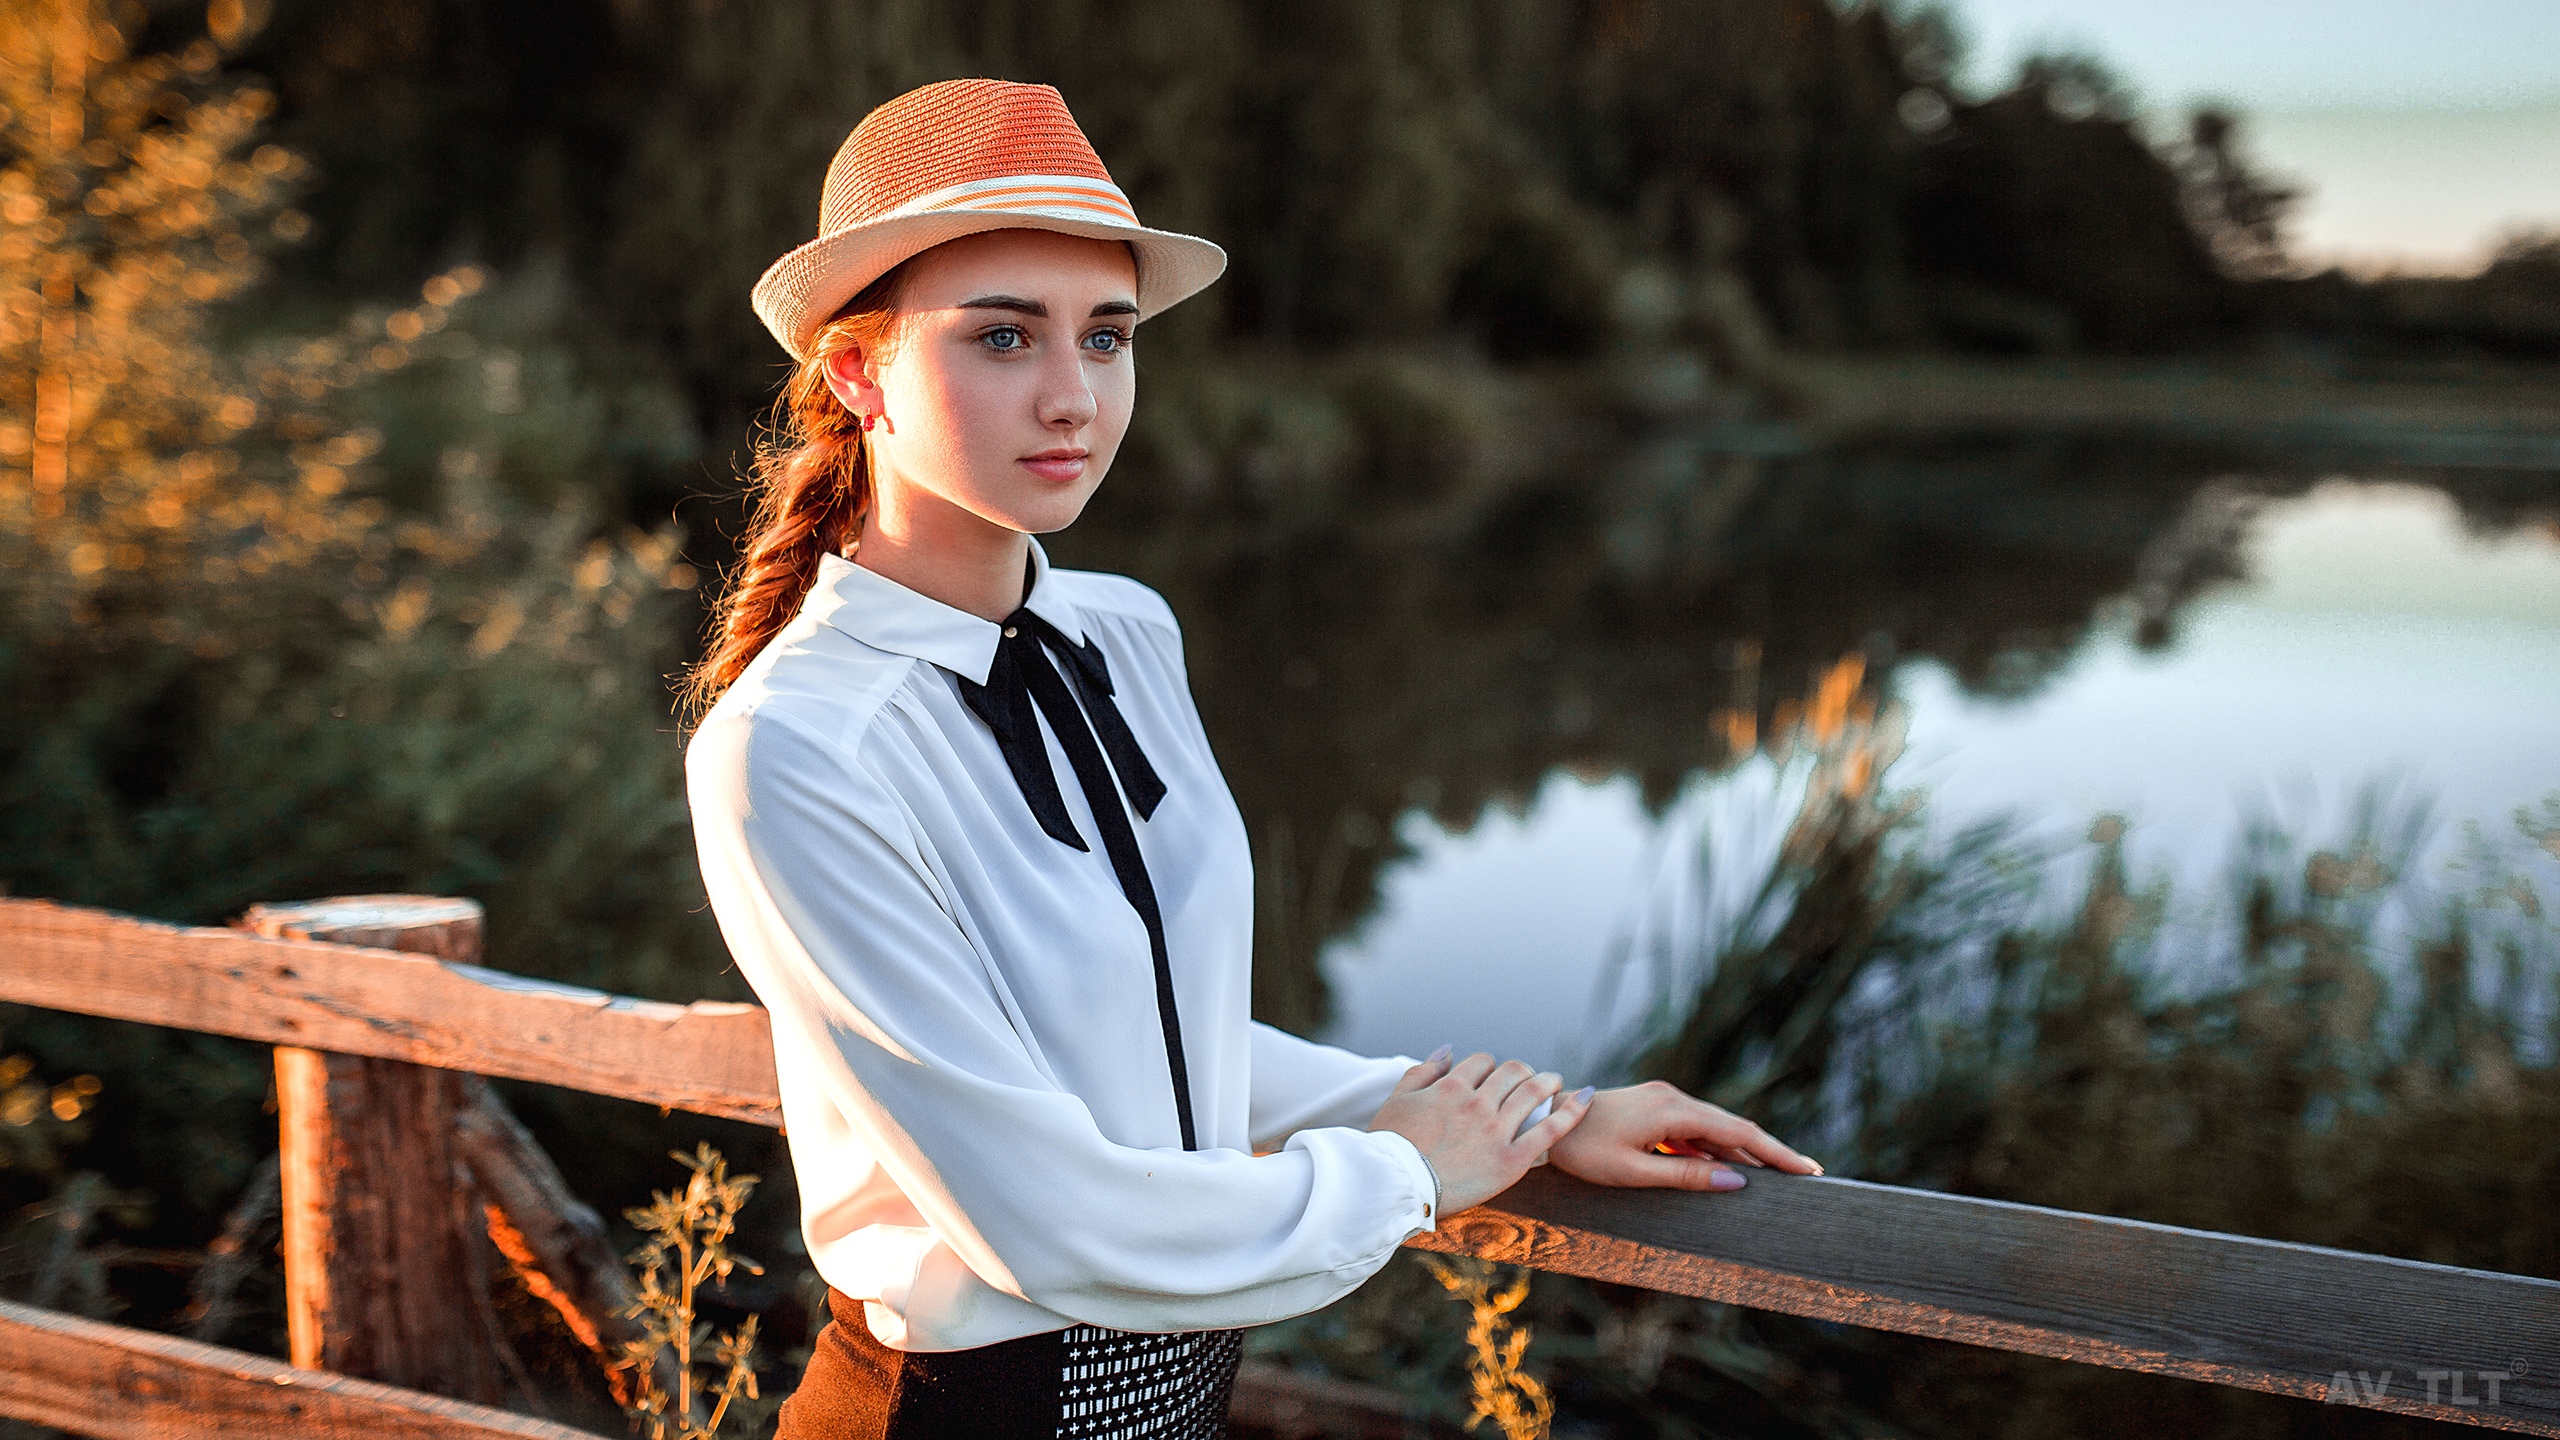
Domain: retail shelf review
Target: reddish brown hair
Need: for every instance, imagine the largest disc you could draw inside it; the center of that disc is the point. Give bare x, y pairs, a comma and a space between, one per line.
811, 485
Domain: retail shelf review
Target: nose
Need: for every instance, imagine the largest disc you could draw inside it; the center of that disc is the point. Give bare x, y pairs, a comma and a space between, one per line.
1066, 402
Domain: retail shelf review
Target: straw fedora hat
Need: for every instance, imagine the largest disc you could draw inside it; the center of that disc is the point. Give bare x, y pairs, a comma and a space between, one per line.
953, 159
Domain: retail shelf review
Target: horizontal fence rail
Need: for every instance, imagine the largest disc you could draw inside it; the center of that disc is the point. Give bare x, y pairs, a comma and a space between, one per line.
2327, 1325
709, 1057
93, 1378
2330, 1325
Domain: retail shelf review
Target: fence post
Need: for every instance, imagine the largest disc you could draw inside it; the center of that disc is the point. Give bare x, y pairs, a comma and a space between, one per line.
385, 1271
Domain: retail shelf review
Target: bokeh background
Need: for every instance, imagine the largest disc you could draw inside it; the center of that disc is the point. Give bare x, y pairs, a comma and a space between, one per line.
1979, 582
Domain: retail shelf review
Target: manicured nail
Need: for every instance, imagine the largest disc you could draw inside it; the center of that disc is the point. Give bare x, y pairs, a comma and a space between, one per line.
1725, 1179
1436, 1056
1583, 1095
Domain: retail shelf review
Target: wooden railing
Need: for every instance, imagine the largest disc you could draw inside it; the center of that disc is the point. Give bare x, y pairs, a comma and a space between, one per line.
2451, 1344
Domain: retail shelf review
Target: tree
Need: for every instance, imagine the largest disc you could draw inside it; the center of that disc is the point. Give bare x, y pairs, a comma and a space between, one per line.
2238, 209
148, 465
319, 681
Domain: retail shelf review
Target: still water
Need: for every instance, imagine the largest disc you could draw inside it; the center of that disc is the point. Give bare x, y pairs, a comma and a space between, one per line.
2370, 637
1477, 728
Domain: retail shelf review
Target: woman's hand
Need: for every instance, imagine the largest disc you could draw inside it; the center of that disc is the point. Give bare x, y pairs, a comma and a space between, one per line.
1462, 1115
1621, 1139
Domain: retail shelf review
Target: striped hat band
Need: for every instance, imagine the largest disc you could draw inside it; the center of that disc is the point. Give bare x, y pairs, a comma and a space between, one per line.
1068, 197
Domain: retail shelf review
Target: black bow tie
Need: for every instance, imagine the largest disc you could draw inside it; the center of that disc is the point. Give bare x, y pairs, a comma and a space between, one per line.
1022, 678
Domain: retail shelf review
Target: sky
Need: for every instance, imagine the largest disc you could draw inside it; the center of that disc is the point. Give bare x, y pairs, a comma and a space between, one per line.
2424, 131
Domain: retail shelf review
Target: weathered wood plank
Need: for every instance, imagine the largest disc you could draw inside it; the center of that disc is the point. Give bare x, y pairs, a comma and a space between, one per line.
2327, 1325
383, 1277
445, 927
383, 1271
92, 1378
708, 1057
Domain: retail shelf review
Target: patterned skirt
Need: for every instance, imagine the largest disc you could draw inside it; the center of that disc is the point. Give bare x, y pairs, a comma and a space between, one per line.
1080, 1383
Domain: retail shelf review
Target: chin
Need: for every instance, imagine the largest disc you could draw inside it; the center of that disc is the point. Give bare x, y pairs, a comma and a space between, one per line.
1042, 514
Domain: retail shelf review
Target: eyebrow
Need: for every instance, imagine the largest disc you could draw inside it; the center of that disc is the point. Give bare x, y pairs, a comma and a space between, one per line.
1015, 303
1038, 311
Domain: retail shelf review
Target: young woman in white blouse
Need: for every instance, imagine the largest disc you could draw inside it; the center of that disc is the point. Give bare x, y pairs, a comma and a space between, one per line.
964, 835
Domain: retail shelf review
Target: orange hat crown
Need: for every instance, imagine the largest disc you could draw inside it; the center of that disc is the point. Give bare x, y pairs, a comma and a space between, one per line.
957, 133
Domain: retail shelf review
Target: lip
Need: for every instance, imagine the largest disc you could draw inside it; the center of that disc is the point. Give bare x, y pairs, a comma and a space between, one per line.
1065, 462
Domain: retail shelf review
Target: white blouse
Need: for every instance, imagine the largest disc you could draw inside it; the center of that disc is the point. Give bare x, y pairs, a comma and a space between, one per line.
973, 1071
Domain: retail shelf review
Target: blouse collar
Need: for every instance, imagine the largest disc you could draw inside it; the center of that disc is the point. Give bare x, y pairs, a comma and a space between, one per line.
886, 615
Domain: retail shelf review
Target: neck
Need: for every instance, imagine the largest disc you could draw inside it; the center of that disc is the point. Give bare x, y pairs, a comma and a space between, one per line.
938, 549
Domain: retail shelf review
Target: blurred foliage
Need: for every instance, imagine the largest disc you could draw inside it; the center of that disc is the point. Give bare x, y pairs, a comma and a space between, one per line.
40, 1117
53, 1252
2046, 223
287, 614
1683, 189
143, 460
2240, 210
2384, 1052
220, 631
2512, 307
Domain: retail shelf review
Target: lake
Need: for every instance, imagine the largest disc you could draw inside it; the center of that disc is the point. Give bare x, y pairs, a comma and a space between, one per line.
1475, 747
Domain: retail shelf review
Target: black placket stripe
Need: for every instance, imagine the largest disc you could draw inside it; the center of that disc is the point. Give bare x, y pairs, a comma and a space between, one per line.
1021, 676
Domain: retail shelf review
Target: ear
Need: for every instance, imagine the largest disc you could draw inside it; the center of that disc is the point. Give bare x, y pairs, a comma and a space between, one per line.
849, 378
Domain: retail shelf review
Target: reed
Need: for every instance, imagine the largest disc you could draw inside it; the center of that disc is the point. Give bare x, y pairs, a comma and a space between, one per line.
685, 1245
1504, 1392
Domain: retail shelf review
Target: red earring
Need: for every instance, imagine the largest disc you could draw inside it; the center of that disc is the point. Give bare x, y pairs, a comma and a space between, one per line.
867, 421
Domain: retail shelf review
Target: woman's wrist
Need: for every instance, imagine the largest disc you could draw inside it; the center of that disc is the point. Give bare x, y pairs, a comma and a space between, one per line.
1431, 1212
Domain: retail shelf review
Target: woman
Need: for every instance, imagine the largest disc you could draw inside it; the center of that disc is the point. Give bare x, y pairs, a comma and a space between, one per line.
965, 837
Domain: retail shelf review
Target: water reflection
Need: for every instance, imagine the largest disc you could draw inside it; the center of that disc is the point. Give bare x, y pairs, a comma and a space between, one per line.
1554, 931
2373, 638
1381, 665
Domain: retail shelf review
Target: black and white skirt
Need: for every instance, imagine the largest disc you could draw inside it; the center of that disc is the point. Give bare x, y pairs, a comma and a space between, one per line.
1080, 1383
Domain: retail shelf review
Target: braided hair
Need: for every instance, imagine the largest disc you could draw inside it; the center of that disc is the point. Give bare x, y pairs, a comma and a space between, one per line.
811, 484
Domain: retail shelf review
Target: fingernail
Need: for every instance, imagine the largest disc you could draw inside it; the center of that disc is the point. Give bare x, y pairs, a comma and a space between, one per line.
1726, 1179
1437, 1055
1583, 1095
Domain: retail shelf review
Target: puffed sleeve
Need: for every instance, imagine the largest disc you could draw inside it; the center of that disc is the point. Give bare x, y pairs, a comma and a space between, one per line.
1301, 1084
834, 913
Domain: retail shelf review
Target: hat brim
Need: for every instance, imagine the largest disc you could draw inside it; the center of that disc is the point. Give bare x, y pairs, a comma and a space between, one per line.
801, 291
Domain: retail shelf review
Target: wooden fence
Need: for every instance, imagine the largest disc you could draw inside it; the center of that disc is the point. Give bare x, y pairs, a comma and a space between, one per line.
2332, 1326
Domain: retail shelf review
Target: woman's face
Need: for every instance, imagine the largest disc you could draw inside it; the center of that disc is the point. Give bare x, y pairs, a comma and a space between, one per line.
1008, 387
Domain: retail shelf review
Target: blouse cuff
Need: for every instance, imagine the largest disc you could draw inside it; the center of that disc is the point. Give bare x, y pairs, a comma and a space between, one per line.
1426, 1181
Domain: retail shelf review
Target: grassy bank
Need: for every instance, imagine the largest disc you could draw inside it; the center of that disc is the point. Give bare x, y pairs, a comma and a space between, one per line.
2195, 398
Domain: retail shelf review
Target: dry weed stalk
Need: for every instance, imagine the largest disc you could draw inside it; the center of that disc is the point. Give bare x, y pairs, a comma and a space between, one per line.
688, 1233
1504, 1393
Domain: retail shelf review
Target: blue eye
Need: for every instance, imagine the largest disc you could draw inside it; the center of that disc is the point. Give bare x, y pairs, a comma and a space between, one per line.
1108, 342
1006, 337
